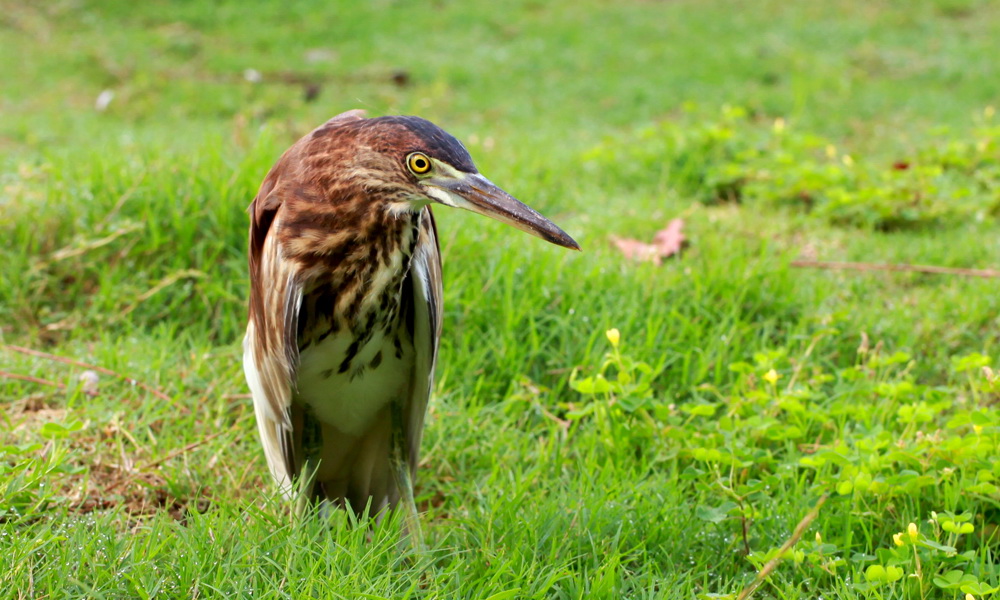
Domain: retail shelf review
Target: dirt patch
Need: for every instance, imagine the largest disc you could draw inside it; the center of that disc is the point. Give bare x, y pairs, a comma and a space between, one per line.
90, 471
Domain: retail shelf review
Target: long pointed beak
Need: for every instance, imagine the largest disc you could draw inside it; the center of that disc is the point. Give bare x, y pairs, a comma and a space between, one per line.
478, 194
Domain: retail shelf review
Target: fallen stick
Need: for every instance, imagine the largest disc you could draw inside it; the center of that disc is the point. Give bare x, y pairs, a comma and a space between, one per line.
71, 251
129, 478
9, 375
180, 451
70, 361
166, 281
773, 563
856, 266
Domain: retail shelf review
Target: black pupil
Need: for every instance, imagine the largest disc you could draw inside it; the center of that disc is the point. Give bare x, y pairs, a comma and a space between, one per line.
419, 164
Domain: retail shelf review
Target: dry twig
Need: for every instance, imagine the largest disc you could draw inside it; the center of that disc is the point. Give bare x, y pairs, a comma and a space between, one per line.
154, 463
857, 266
88, 245
773, 563
9, 375
76, 363
166, 281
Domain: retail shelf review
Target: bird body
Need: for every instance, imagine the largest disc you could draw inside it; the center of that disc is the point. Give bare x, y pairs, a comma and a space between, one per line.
345, 300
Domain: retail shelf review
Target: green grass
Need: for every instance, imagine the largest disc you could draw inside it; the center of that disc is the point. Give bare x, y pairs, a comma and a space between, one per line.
554, 465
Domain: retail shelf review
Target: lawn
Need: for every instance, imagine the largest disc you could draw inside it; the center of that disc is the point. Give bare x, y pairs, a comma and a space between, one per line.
727, 423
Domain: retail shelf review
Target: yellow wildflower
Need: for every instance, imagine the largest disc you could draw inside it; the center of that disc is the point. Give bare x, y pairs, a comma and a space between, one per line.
772, 377
614, 336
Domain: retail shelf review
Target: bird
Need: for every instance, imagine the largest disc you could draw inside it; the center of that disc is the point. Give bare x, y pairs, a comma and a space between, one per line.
345, 303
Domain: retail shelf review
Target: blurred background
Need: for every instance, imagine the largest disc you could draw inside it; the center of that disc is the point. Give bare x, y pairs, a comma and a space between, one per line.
111, 72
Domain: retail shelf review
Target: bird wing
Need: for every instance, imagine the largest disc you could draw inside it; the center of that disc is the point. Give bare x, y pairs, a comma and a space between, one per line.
422, 299
270, 350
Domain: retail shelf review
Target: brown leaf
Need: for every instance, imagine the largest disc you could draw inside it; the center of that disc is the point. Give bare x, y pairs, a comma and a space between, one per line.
671, 238
636, 250
667, 242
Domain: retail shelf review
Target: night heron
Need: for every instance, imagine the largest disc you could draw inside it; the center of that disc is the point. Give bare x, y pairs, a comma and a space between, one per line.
345, 301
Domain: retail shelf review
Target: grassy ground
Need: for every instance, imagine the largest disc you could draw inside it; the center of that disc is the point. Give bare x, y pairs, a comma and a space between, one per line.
743, 394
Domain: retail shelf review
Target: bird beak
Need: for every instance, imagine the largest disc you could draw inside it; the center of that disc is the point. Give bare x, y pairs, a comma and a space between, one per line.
474, 192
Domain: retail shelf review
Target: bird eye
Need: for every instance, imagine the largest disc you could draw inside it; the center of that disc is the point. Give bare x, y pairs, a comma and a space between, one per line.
418, 163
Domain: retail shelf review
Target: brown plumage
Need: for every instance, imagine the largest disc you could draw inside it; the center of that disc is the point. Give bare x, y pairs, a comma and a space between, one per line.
345, 300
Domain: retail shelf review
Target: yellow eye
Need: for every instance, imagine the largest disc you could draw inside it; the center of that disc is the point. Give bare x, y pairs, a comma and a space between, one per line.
418, 163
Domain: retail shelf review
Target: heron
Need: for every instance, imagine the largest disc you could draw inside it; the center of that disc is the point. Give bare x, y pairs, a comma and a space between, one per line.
346, 304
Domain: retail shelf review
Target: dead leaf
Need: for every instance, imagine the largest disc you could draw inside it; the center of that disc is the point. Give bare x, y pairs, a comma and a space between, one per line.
636, 250
666, 243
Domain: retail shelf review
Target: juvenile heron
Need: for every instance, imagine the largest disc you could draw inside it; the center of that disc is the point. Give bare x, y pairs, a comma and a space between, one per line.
345, 301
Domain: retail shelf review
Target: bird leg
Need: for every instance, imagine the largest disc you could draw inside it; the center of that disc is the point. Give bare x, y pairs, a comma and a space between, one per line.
401, 462
312, 442
306, 484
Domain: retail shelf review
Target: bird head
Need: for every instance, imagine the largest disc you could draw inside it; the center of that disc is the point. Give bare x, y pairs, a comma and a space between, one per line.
424, 164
